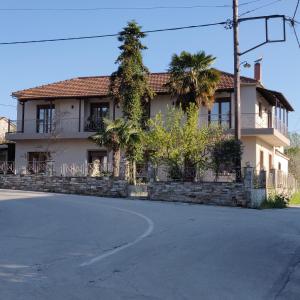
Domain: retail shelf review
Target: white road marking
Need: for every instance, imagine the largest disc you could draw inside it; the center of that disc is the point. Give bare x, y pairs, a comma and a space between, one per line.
127, 245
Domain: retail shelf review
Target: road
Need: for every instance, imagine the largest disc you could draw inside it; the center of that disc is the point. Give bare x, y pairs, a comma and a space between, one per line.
65, 247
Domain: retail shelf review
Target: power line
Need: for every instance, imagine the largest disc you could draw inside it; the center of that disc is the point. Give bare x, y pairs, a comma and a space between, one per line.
260, 7
111, 35
123, 8
296, 9
114, 8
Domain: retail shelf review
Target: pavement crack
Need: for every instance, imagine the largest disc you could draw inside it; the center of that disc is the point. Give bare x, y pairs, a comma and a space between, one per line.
290, 271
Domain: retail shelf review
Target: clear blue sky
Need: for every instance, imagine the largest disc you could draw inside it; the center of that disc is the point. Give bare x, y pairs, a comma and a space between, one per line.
24, 66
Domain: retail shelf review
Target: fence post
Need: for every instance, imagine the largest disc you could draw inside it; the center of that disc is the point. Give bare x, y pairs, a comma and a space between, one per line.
273, 175
248, 177
263, 179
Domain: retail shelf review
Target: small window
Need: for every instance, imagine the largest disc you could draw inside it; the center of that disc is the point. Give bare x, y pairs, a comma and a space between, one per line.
261, 160
260, 109
279, 166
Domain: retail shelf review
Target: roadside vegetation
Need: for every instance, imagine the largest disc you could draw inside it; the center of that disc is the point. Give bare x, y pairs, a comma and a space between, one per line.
276, 201
295, 200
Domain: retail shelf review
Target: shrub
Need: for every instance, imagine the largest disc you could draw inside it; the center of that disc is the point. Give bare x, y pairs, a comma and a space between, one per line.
276, 201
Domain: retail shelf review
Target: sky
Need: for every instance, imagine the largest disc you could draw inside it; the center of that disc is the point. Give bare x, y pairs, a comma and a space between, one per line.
25, 66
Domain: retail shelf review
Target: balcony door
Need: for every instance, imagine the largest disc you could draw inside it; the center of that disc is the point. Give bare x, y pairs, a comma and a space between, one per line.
220, 113
44, 118
98, 112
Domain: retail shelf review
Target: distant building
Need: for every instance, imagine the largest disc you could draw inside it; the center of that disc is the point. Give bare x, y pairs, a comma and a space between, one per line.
7, 149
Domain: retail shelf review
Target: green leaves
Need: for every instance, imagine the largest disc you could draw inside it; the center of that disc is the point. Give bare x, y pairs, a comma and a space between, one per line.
192, 79
176, 138
129, 84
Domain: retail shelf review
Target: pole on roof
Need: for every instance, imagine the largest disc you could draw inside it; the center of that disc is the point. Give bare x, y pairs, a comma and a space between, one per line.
237, 84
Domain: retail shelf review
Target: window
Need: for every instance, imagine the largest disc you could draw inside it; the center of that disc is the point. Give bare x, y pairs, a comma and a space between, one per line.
279, 166
221, 112
270, 162
37, 162
98, 112
260, 109
45, 117
261, 160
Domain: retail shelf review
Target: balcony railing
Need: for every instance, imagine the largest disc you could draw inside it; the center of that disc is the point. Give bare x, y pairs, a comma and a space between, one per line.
55, 127
248, 120
73, 125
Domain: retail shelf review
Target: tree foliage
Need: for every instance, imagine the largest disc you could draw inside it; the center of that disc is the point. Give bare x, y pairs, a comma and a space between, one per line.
130, 83
192, 79
225, 153
177, 136
293, 152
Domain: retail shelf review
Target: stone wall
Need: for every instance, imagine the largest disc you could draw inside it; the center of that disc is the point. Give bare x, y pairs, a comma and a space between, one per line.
67, 185
215, 193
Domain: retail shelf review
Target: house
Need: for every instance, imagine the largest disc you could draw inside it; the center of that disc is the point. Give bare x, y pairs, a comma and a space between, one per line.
7, 148
55, 120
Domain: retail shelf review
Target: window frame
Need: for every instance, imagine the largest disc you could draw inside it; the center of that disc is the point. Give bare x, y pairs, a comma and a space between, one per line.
219, 101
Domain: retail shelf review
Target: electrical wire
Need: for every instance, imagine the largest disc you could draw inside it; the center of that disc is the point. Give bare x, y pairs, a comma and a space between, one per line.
125, 8
260, 7
110, 35
296, 9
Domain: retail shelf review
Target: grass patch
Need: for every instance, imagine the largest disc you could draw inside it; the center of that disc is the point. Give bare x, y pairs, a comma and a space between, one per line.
275, 201
295, 200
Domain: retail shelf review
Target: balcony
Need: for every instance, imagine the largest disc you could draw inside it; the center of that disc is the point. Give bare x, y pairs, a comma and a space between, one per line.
59, 128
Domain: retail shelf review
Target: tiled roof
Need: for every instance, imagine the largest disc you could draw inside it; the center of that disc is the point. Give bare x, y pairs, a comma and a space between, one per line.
99, 86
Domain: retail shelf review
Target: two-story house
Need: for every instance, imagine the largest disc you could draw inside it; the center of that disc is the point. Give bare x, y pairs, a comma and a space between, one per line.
54, 121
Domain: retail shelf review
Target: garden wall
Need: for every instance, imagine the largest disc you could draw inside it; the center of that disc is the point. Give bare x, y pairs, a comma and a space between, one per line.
215, 193
67, 185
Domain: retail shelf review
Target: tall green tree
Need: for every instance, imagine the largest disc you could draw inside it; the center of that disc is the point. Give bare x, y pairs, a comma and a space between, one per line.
192, 79
130, 83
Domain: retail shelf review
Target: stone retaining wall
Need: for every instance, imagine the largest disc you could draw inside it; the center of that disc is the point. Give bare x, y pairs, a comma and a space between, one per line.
67, 185
215, 193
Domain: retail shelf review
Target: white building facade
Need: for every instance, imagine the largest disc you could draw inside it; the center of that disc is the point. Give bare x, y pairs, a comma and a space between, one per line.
54, 122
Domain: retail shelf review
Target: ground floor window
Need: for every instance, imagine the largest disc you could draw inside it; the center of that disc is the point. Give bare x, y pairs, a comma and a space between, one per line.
98, 162
38, 162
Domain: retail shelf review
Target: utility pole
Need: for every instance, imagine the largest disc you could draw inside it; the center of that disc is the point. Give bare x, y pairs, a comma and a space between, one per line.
237, 83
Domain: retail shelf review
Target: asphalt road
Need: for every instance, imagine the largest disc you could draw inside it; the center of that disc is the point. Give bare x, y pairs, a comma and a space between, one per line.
65, 247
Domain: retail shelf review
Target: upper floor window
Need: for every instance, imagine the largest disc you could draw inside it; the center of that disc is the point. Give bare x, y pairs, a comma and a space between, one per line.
45, 117
98, 112
260, 109
221, 112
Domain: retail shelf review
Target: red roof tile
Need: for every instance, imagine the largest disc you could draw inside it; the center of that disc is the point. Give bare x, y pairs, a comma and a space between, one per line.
98, 86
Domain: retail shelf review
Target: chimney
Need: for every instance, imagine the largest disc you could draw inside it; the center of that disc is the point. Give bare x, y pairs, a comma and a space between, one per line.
257, 71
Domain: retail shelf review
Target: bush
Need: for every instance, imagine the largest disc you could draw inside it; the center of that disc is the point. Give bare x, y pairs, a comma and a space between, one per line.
276, 201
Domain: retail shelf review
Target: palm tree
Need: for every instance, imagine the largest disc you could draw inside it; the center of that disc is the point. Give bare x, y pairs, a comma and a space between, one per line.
192, 80
112, 137
121, 135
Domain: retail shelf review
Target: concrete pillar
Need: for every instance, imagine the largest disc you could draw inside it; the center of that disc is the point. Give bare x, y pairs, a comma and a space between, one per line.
248, 177
262, 179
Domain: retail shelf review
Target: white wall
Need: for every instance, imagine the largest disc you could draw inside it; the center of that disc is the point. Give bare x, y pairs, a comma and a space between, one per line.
62, 151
